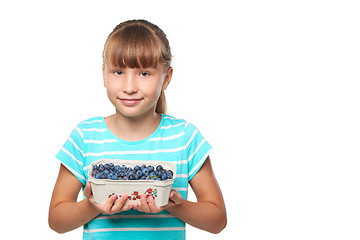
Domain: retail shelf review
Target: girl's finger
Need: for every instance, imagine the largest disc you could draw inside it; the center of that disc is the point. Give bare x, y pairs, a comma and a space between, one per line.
119, 204
108, 204
144, 204
126, 207
137, 206
176, 197
153, 207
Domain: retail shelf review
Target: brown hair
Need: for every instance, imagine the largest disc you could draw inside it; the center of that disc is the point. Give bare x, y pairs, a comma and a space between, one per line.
138, 44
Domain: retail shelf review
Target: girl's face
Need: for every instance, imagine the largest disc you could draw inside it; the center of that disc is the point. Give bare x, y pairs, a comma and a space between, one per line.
134, 91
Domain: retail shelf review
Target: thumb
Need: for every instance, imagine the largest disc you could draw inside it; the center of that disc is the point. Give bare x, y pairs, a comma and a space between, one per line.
175, 196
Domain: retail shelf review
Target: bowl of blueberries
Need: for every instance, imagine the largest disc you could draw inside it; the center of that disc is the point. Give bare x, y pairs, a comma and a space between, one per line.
117, 177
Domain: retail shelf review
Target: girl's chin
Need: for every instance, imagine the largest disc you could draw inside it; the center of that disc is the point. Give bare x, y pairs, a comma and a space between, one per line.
134, 113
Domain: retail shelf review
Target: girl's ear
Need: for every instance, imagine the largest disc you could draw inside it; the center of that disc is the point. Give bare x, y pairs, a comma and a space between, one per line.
103, 72
167, 79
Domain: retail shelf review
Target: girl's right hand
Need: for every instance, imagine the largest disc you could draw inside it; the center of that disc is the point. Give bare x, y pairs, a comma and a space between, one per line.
111, 206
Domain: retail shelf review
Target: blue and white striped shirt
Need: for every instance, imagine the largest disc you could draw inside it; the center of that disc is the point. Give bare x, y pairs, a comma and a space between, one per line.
175, 140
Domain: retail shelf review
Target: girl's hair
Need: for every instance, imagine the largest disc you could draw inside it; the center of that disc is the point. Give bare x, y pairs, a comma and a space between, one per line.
138, 44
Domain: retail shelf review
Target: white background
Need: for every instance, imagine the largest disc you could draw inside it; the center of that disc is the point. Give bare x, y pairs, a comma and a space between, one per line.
272, 85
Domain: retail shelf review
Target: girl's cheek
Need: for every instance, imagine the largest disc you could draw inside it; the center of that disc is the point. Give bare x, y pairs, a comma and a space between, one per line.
112, 87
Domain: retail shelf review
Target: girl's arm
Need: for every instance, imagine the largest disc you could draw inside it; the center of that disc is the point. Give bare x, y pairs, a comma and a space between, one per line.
208, 213
65, 214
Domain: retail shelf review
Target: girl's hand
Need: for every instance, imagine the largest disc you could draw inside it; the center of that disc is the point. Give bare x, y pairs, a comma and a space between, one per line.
111, 206
150, 206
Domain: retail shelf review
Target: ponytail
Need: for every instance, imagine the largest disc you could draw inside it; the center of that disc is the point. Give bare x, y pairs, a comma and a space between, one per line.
161, 104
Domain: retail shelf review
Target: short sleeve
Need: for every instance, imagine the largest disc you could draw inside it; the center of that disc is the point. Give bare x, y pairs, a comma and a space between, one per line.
71, 154
198, 149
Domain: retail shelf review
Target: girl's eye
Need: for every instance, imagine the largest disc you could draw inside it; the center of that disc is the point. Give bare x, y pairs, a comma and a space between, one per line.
118, 73
144, 74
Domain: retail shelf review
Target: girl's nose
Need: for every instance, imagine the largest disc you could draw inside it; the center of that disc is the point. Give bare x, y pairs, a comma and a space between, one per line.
130, 85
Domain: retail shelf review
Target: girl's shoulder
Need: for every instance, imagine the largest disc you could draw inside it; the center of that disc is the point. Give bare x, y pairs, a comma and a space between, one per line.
91, 122
171, 121
171, 118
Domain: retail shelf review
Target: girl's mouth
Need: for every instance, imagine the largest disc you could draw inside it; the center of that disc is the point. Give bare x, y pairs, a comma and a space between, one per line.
130, 101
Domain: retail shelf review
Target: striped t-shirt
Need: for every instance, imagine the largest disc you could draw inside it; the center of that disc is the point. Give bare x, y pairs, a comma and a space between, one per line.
175, 140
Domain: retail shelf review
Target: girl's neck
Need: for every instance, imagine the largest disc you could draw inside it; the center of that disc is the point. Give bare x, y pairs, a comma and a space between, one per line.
133, 129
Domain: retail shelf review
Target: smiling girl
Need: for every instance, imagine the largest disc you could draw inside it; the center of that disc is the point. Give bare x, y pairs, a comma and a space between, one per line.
136, 72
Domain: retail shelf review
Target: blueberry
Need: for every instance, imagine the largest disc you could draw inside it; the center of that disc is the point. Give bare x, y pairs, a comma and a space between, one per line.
142, 167
98, 176
145, 171
94, 173
95, 167
164, 177
169, 173
107, 166
117, 168
152, 175
131, 177
137, 168
150, 168
159, 168
139, 173
101, 167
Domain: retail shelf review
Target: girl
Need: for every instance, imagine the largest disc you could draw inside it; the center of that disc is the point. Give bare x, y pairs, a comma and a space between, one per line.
136, 71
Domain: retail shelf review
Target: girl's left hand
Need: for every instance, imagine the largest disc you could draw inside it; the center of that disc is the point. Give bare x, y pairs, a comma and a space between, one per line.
150, 206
